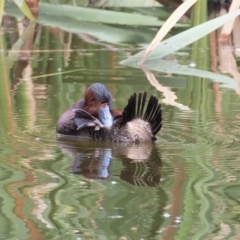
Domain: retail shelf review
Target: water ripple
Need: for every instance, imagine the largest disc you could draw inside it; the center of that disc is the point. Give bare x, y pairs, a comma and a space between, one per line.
211, 131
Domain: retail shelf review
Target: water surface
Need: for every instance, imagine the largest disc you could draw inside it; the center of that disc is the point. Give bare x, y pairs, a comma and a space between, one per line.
183, 186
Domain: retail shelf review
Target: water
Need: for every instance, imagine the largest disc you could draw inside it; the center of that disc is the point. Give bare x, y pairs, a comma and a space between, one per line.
183, 186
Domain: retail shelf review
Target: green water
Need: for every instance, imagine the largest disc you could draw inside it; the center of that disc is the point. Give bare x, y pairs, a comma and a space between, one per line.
183, 186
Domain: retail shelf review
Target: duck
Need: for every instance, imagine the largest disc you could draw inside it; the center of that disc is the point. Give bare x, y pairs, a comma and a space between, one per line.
93, 117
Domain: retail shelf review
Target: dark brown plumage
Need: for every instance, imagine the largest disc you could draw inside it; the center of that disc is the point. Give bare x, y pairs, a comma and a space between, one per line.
95, 97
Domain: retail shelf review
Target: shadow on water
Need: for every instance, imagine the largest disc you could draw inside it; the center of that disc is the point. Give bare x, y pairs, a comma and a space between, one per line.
141, 162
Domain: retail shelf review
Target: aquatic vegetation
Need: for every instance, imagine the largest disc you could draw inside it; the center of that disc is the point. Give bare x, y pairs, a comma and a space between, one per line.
22, 5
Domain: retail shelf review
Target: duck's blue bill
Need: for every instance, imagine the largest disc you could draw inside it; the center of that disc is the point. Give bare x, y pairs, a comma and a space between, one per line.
105, 116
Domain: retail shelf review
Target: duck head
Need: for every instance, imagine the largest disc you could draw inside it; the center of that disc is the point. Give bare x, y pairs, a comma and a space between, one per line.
96, 96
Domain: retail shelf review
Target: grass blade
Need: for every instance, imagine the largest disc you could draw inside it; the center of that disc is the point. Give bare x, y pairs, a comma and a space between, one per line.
99, 15
24, 8
171, 21
183, 39
1, 10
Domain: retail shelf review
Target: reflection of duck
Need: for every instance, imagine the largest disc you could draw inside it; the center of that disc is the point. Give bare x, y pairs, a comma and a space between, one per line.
93, 117
141, 162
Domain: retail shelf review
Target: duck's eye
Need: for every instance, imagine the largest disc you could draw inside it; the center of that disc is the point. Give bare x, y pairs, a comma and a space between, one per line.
105, 102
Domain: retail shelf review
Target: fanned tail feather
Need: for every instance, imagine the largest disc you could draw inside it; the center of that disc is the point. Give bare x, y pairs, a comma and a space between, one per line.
136, 109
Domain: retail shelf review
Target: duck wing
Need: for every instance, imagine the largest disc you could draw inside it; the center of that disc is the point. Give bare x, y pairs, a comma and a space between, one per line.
66, 124
83, 119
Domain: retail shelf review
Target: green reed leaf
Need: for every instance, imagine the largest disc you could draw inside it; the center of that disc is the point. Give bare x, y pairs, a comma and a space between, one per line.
1, 10
24, 8
99, 15
183, 39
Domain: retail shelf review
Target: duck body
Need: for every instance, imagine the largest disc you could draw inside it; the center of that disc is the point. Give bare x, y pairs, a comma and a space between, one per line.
96, 120
96, 97
137, 130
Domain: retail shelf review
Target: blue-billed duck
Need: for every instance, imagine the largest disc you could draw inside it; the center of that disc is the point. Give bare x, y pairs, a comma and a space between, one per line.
93, 117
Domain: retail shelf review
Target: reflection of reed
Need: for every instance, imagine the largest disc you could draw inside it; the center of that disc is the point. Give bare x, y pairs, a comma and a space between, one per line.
169, 96
175, 208
39, 193
23, 68
20, 200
